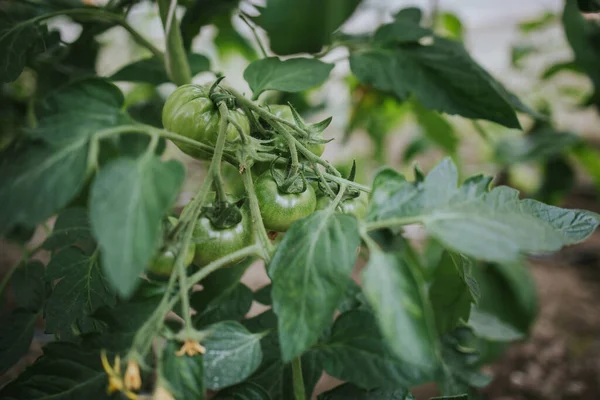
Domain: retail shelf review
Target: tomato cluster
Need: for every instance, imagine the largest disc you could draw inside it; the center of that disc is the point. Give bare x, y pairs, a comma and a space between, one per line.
190, 111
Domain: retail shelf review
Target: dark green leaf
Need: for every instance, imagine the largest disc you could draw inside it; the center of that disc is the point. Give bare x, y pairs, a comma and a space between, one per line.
229, 40
79, 110
182, 376
457, 397
204, 12
349, 391
436, 128
232, 354
152, 70
29, 285
71, 227
233, 305
81, 290
539, 146
452, 292
442, 76
589, 5
303, 26
292, 75
554, 69
129, 199
37, 180
64, 372
404, 29
310, 272
398, 298
356, 352
263, 295
16, 334
243, 391
311, 373
579, 34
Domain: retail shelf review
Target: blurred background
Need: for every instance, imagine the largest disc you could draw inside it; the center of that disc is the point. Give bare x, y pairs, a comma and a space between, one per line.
522, 43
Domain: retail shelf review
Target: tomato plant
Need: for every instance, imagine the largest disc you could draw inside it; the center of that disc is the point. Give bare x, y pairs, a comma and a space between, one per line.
83, 156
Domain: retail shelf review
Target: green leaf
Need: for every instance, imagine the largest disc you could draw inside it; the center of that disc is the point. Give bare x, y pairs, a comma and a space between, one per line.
233, 305
81, 290
64, 372
38, 180
79, 110
538, 147
404, 29
243, 391
16, 334
303, 26
232, 354
152, 70
19, 41
555, 69
129, 199
310, 272
71, 227
356, 352
451, 26
182, 376
589, 5
442, 76
456, 397
490, 327
292, 75
436, 128
263, 295
452, 292
542, 22
311, 373
29, 285
397, 295
202, 13
579, 34
494, 226
350, 391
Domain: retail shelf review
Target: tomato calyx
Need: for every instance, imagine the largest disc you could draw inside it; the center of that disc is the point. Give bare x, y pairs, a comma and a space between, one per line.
217, 94
288, 181
222, 214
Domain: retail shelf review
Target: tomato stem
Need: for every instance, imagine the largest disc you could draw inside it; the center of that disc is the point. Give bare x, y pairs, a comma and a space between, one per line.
257, 223
298, 379
176, 61
338, 197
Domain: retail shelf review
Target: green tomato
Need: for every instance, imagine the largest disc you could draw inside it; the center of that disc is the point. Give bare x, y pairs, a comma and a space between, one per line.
285, 112
279, 210
191, 113
212, 243
163, 264
234, 184
357, 206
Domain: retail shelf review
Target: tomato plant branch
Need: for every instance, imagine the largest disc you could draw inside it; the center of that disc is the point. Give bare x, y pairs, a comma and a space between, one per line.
319, 173
257, 223
338, 197
387, 223
298, 379
255, 34
340, 180
176, 61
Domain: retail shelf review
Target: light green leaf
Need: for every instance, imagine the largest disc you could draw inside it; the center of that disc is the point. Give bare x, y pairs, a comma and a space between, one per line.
452, 292
293, 75
436, 128
38, 180
29, 285
16, 334
243, 391
442, 76
538, 147
64, 372
349, 391
79, 110
490, 327
356, 352
129, 198
451, 25
182, 376
398, 299
310, 272
303, 26
81, 290
232, 354
151, 70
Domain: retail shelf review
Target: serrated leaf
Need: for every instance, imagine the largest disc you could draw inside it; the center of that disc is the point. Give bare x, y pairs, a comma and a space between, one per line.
452, 292
65, 371
442, 76
152, 70
356, 352
243, 391
398, 298
303, 26
81, 290
233, 306
38, 180
29, 285
129, 199
310, 272
71, 227
181, 375
16, 334
79, 110
350, 391
232, 354
292, 75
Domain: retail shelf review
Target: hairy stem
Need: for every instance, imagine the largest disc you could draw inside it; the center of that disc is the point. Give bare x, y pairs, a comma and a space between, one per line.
257, 223
298, 379
176, 61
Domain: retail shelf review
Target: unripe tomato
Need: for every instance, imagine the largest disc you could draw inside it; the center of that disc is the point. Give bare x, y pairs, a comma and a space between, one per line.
285, 112
163, 264
279, 210
357, 206
213, 243
191, 113
234, 184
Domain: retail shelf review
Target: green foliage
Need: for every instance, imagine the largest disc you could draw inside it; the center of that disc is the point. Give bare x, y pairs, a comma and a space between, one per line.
151, 70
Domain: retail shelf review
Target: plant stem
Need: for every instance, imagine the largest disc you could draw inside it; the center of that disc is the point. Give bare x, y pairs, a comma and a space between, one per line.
341, 180
298, 379
255, 34
387, 223
216, 172
257, 223
338, 197
176, 61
